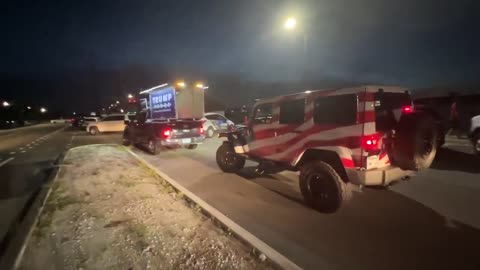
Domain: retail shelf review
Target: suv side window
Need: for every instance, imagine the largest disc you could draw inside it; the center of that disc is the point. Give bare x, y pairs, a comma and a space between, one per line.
212, 117
292, 112
263, 114
336, 110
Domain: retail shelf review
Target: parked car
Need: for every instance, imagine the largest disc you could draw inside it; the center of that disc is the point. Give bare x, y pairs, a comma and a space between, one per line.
111, 123
88, 120
60, 121
160, 134
337, 138
475, 133
215, 123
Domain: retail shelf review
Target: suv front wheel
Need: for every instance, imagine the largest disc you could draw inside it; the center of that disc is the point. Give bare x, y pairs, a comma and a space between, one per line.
322, 187
228, 160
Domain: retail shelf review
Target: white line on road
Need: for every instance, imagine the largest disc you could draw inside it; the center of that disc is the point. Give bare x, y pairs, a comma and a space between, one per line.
23, 151
12, 153
6, 161
21, 148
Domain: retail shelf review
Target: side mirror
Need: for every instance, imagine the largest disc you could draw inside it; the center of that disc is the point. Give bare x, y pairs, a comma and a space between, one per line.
126, 122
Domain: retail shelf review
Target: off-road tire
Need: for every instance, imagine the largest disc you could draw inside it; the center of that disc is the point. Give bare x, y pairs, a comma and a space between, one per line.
416, 142
228, 160
322, 187
93, 131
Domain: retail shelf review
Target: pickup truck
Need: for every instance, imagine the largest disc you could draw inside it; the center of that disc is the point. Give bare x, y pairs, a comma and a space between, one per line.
157, 135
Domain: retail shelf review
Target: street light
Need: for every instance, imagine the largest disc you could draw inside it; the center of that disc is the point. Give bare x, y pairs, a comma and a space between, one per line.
29, 108
118, 102
43, 110
130, 96
199, 85
290, 23
181, 84
5, 104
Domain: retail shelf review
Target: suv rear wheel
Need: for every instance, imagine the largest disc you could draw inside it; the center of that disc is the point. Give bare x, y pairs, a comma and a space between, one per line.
152, 147
322, 187
228, 160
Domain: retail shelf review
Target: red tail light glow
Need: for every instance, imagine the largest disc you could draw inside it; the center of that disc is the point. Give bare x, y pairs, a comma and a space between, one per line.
202, 131
166, 132
407, 109
370, 143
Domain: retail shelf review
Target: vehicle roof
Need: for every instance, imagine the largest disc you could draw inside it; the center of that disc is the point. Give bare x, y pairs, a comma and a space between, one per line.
212, 113
336, 91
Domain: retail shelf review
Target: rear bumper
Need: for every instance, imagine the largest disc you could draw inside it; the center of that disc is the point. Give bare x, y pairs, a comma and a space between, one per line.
182, 141
377, 177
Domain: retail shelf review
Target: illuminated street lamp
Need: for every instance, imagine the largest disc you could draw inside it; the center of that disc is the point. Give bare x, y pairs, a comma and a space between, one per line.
118, 102
199, 85
29, 108
6, 104
43, 110
290, 23
130, 96
181, 84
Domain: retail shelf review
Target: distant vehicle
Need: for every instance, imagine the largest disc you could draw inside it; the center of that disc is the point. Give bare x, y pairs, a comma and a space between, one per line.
5, 124
87, 121
167, 119
215, 123
111, 123
366, 135
60, 121
475, 133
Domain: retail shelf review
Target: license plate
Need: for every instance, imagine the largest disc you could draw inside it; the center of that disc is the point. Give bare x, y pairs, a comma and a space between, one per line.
185, 141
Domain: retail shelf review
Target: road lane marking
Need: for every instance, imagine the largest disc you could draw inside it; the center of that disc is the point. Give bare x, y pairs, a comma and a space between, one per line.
21, 148
6, 161
12, 153
23, 151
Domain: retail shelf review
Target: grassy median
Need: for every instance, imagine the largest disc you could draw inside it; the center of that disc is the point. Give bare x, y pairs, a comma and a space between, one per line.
108, 211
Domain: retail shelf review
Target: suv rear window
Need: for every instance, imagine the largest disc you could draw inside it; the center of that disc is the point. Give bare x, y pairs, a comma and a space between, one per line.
336, 110
292, 112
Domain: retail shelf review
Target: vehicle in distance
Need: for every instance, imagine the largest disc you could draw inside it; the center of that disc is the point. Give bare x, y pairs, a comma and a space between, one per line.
88, 120
475, 133
336, 138
158, 135
110, 123
60, 121
213, 123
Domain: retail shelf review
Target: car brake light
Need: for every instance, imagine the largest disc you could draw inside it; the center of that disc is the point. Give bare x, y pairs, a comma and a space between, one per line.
166, 132
202, 131
370, 143
407, 109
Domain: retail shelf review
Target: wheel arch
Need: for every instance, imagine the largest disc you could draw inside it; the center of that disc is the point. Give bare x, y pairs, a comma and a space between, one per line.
330, 157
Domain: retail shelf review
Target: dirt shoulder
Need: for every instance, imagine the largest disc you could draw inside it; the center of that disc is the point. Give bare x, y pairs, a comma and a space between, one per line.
108, 211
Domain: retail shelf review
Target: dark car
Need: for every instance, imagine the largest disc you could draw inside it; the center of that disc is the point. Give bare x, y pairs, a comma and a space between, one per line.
157, 135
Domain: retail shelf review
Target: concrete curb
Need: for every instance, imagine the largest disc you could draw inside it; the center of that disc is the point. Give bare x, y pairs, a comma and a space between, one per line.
275, 256
38, 206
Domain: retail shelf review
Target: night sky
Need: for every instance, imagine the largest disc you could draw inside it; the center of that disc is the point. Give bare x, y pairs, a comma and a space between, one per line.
415, 43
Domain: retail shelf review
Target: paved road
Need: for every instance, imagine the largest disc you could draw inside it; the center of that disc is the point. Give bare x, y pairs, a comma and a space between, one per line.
429, 222
26, 158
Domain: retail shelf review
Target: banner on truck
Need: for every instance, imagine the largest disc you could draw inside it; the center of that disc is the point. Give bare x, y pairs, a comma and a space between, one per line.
162, 104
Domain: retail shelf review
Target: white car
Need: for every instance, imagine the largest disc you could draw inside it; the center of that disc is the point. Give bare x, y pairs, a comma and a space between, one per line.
60, 121
475, 133
89, 120
111, 123
214, 123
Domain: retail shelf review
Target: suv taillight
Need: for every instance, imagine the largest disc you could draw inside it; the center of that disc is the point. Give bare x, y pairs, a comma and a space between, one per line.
166, 132
370, 143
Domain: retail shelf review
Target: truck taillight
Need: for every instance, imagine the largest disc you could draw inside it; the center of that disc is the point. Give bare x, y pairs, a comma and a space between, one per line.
407, 109
370, 143
166, 132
